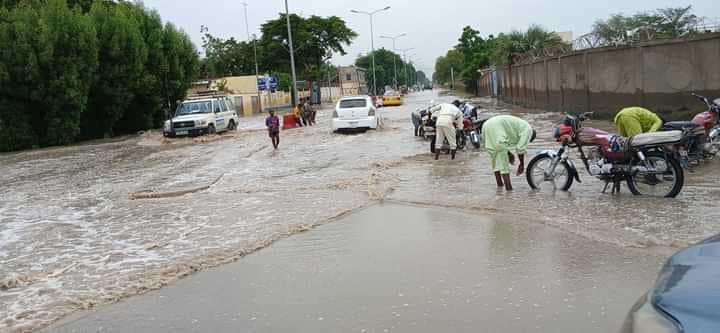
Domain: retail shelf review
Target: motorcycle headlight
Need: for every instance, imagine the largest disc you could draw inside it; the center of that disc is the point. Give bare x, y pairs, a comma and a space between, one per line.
645, 318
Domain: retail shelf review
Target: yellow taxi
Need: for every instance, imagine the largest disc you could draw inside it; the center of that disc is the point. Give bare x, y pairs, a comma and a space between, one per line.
392, 98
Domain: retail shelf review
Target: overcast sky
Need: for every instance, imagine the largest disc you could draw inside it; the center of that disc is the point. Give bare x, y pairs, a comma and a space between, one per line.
432, 26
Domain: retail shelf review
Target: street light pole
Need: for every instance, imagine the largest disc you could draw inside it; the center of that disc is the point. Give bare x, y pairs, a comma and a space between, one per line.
405, 68
292, 55
394, 56
372, 41
257, 70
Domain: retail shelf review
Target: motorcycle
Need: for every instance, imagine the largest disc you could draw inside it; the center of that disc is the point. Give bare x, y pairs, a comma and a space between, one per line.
472, 129
426, 128
642, 161
704, 134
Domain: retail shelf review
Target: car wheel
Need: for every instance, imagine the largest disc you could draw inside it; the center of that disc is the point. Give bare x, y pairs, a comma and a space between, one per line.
232, 126
211, 129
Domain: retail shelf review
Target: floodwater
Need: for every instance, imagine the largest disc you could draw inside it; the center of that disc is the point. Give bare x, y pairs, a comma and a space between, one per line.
398, 268
71, 238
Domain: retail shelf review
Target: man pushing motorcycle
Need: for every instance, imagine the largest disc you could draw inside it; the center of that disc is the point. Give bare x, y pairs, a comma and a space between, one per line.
503, 136
448, 120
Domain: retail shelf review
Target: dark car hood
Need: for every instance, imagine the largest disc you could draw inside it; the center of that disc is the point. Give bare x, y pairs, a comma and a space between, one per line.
689, 287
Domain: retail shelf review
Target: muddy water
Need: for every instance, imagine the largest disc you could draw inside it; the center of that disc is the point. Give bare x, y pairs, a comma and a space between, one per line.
71, 238
397, 268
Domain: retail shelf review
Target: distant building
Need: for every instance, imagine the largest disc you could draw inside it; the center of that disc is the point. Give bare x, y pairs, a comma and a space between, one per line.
566, 36
244, 91
353, 80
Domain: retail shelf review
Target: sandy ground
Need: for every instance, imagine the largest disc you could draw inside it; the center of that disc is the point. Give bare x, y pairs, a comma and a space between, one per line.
399, 268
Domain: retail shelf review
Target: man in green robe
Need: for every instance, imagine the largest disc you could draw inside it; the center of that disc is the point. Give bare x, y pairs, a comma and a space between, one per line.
636, 120
504, 136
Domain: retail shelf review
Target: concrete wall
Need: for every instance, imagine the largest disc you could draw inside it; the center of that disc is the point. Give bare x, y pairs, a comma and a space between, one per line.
656, 75
330, 94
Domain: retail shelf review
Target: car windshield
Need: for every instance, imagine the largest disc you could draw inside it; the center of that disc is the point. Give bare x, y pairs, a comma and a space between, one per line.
390, 93
353, 103
194, 108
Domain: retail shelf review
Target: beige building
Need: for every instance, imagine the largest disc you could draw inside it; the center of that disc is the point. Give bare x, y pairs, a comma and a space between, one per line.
353, 80
244, 90
566, 36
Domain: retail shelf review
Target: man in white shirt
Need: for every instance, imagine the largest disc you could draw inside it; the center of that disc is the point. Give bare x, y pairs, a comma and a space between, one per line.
466, 108
448, 119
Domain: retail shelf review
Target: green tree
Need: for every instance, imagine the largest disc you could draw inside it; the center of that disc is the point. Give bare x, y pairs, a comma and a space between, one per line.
662, 23
19, 73
145, 109
385, 61
180, 65
68, 68
227, 57
453, 61
422, 79
534, 40
476, 53
122, 55
315, 39
67, 62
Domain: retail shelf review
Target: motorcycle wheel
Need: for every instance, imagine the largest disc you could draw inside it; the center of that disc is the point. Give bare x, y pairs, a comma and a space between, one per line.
475, 139
535, 174
461, 141
666, 181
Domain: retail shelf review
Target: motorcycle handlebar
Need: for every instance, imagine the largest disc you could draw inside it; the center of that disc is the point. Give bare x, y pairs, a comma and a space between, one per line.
702, 98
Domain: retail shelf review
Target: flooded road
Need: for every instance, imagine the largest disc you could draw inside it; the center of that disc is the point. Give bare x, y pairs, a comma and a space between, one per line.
398, 268
71, 238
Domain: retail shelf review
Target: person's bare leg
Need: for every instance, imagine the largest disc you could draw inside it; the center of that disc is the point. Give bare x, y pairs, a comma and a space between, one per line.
508, 184
499, 180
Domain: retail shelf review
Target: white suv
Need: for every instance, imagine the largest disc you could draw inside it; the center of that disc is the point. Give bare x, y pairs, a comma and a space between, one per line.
355, 112
202, 115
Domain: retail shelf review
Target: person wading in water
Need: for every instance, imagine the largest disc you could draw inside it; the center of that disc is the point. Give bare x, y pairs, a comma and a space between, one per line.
503, 136
272, 122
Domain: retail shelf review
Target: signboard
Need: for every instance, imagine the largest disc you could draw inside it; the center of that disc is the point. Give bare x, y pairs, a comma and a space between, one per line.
268, 82
273, 82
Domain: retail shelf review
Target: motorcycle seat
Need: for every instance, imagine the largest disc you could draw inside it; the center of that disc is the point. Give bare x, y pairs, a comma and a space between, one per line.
679, 125
478, 121
656, 138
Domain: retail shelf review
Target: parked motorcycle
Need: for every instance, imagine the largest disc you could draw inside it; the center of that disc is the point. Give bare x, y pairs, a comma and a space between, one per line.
704, 134
642, 161
472, 129
427, 125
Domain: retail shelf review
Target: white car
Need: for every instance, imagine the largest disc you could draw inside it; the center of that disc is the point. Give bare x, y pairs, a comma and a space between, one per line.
202, 115
355, 113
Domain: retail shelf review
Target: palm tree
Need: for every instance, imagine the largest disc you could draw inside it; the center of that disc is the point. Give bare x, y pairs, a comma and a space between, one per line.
535, 39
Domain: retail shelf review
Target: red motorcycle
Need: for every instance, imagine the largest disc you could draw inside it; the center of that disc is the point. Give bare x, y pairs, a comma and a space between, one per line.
704, 133
642, 161
472, 129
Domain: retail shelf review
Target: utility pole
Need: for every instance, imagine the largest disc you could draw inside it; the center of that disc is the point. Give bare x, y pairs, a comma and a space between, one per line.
372, 41
452, 78
329, 84
292, 56
405, 67
257, 71
394, 56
